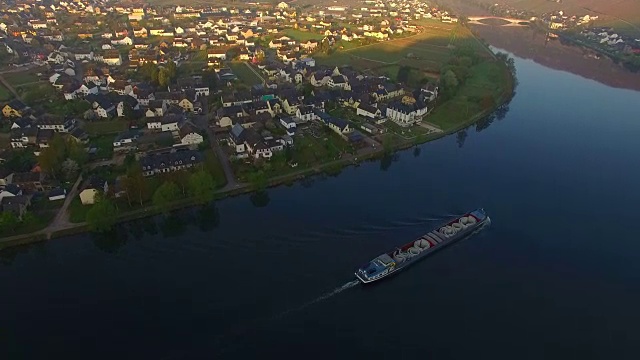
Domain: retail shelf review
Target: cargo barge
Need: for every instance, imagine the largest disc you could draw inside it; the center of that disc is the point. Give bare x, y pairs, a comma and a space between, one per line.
391, 262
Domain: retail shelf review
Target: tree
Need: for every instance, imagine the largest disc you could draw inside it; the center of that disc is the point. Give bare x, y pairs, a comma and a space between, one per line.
164, 195
28, 218
171, 69
129, 113
202, 186
403, 74
450, 82
20, 161
76, 152
135, 184
50, 160
8, 222
258, 180
163, 78
180, 179
70, 168
102, 216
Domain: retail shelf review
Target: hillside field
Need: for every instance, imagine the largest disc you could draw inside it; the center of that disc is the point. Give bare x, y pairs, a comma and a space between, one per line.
424, 52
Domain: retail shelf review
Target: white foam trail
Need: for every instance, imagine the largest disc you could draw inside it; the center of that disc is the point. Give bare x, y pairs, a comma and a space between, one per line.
322, 297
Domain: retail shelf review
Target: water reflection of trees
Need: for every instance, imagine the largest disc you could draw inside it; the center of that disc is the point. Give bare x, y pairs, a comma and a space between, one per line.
260, 198
499, 114
174, 225
8, 255
111, 241
387, 160
461, 136
207, 217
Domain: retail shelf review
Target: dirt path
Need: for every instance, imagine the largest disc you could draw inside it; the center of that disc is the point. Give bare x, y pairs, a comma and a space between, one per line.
61, 221
9, 87
255, 72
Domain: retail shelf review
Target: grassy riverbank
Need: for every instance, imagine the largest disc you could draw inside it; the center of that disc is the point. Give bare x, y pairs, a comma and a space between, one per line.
440, 116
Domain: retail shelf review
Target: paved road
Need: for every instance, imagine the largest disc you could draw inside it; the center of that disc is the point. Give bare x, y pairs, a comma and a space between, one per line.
202, 121
61, 221
232, 183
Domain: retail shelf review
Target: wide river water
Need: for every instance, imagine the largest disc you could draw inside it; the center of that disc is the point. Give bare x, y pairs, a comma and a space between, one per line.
557, 275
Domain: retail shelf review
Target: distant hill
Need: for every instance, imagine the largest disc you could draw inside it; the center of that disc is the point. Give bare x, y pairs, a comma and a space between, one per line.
628, 10
623, 14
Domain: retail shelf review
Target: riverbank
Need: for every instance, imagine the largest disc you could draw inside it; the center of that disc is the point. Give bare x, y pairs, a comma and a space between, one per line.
447, 109
531, 44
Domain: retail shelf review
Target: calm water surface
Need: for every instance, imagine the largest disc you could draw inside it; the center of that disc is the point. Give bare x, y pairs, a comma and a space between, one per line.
556, 276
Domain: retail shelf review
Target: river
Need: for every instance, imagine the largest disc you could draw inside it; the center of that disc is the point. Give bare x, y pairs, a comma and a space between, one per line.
555, 276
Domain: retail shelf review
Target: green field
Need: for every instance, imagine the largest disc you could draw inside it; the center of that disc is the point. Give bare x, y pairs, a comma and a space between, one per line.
425, 51
21, 78
302, 35
4, 140
102, 127
244, 74
5, 94
489, 79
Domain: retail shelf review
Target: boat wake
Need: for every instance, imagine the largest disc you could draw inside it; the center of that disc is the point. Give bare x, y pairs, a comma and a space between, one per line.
320, 298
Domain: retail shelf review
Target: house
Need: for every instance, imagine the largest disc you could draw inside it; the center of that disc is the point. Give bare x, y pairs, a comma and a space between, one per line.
56, 58
83, 55
10, 190
305, 113
339, 81
406, 112
290, 105
236, 138
92, 188
79, 135
55, 123
126, 140
101, 105
112, 57
14, 108
121, 87
122, 41
320, 78
57, 194
368, 111
28, 181
195, 84
126, 102
85, 89
256, 145
159, 163
188, 136
186, 104
18, 205
338, 125
289, 123
21, 138
309, 46
170, 123
430, 90
157, 108
220, 54
21, 123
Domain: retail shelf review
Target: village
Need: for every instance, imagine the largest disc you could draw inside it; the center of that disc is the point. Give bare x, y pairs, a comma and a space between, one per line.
113, 102
617, 40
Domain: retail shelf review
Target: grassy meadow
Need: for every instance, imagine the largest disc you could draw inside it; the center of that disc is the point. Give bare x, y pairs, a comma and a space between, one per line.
244, 74
424, 52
